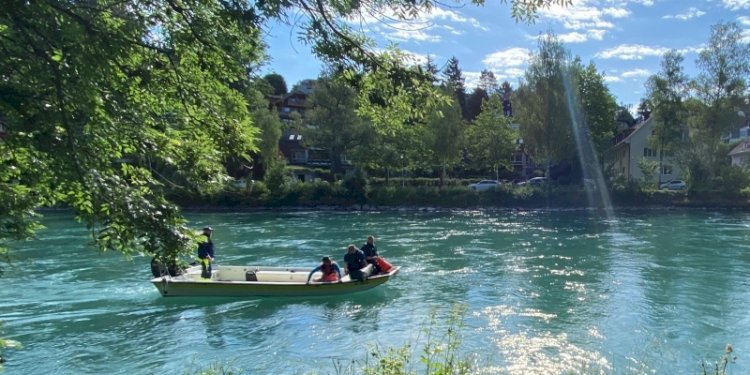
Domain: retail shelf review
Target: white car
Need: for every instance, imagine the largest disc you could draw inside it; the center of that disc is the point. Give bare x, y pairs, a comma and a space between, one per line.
536, 181
673, 185
484, 185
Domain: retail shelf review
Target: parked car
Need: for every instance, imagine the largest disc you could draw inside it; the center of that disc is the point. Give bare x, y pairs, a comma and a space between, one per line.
535, 181
673, 185
484, 185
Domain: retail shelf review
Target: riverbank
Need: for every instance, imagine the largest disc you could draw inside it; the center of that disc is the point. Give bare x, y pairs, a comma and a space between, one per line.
332, 197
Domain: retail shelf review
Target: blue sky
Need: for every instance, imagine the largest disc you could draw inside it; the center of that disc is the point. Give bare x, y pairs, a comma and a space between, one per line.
624, 38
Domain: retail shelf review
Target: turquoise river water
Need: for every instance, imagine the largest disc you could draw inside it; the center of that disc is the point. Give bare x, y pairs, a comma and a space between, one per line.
545, 293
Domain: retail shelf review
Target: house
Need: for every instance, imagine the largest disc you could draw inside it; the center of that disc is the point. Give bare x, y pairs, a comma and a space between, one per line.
293, 107
737, 135
297, 153
293, 102
632, 145
521, 162
740, 154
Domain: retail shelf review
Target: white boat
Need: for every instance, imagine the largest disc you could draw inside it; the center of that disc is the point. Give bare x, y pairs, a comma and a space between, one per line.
241, 281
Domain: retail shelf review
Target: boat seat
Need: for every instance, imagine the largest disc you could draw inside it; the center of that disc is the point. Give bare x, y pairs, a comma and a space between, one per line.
281, 276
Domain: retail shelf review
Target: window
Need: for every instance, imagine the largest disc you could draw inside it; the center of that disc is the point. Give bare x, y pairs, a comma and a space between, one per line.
299, 156
666, 169
649, 152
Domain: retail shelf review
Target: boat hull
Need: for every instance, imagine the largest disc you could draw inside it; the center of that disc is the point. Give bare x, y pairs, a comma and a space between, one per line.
279, 282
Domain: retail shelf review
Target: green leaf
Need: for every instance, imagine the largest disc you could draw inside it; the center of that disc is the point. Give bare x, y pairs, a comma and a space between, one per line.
57, 55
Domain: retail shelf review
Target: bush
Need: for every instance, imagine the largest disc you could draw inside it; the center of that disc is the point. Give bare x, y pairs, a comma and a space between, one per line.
275, 180
356, 185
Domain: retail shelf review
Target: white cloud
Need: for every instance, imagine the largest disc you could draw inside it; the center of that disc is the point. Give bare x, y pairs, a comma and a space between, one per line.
596, 34
616, 12
636, 73
583, 16
402, 34
512, 57
745, 21
646, 3
692, 12
471, 79
507, 65
586, 19
631, 52
629, 75
443, 14
510, 74
423, 20
573, 37
736, 4
612, 79
639, 51
576, 37
423, 28
453, 30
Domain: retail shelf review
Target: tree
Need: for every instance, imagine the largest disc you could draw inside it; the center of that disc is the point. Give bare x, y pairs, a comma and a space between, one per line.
94, 94
277, 82
507, 91
644, 109
490, 138
667, 91
445, 130
268, 122
542, 110
431, 69
488, 82
453, 79
723, 80
474, 103
623, 115
597, 105
649, 169
335, 124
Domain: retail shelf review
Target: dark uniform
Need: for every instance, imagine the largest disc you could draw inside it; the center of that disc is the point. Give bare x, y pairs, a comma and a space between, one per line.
355, 262
371, 251
206, 253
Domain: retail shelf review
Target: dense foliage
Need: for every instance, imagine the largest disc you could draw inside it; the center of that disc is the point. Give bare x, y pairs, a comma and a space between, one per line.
694, 116
106, 104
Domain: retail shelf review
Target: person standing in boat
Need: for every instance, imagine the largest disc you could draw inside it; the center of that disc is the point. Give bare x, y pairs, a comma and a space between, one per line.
331, 271
206, 252
371, 253
355, 261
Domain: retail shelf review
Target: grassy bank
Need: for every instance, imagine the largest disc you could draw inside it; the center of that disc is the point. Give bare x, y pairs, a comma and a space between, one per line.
361, 194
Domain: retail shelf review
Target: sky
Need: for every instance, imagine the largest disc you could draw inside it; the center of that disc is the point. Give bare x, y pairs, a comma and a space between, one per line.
625, 39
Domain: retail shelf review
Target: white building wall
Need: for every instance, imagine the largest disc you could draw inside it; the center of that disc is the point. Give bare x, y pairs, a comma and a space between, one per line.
638, 142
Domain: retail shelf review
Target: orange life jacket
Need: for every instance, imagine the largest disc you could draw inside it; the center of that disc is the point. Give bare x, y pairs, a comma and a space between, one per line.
327, 269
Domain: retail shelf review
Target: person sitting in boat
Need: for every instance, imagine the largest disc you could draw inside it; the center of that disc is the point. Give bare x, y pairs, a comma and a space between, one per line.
329, 268
355, 261
206, 252
371, 253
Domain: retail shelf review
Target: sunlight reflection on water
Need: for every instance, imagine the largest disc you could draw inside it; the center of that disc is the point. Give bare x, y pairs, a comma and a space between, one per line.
545, 292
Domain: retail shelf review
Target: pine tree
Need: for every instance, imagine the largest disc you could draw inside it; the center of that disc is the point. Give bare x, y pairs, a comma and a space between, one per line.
488, 82
453, 78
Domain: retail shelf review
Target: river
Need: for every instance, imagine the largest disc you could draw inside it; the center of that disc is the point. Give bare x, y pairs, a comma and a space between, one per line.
655, 291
